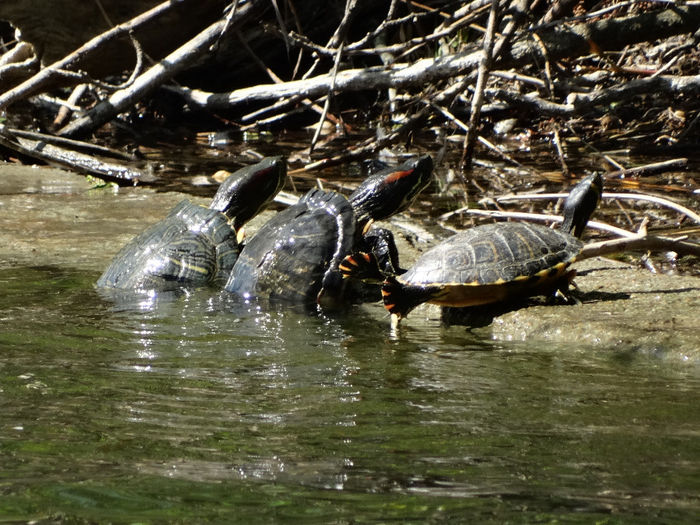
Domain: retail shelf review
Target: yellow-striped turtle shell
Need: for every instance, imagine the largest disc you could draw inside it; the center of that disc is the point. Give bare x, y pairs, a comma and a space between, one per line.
196, 245
192, 246
489, 263
483, 265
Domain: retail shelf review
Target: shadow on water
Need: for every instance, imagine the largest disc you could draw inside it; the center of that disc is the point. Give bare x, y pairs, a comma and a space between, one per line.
200, 407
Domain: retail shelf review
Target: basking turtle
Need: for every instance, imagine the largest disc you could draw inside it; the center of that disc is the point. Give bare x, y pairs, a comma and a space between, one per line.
294, 257
194, 245
489, 263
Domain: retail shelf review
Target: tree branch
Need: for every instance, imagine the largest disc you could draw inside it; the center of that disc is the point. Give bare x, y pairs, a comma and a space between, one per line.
39, 81
560, 42
159, 73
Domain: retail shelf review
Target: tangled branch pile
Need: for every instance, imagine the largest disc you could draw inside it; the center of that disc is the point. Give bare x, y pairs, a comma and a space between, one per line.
627, 71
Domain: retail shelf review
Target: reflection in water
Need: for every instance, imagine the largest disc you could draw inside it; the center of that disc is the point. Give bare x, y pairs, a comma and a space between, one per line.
167, 406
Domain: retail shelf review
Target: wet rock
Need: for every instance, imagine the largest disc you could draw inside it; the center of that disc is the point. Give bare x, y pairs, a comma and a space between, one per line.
621, 306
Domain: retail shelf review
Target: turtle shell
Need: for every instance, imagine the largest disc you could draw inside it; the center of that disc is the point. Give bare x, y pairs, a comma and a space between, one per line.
294, 256
485, 264
192, 246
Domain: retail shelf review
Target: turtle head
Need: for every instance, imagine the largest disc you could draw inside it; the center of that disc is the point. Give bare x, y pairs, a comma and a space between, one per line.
581, 203
391, 190
247, 191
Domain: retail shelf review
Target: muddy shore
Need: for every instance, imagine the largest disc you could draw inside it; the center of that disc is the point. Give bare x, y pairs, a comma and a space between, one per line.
52, 218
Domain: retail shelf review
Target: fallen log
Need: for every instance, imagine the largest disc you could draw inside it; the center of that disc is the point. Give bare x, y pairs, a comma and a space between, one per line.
72, 159
372, 78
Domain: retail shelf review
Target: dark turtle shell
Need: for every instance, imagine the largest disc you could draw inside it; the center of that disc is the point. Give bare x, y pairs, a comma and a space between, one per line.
291, 258
295, 256
192, 246
195, 245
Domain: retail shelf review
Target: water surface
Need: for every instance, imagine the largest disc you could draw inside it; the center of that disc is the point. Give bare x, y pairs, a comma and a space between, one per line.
197, 407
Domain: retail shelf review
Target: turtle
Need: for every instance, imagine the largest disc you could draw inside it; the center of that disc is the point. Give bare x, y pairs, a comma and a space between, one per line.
294, 257
196, 245
487, 264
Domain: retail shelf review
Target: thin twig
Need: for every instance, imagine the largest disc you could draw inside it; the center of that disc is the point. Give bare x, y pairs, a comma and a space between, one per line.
606, 195
446, 113
326, 105
277, 80
560, 151
478, 98
519, 77
639, 243
368, 146
536, 217
338, 39
65, 111
655, 167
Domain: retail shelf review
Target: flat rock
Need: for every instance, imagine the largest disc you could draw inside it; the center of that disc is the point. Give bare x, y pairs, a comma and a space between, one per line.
621, 305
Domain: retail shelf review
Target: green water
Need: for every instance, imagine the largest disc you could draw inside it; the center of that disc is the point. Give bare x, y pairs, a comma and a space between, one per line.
198, 409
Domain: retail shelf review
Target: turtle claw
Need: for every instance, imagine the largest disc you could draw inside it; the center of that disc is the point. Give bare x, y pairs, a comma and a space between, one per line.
240, 236
566, 297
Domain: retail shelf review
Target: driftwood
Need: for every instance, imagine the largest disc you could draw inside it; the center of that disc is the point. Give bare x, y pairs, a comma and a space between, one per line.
397, 76
72, 159
70, 144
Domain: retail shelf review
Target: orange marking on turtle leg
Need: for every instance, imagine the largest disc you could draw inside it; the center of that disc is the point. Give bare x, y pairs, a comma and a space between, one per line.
343, 266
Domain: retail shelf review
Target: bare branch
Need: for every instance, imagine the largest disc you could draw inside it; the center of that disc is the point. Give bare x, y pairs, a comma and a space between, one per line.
157, 74
39, 81
643, 243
